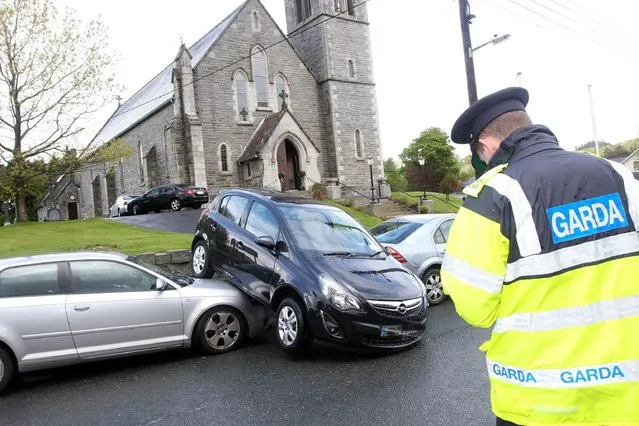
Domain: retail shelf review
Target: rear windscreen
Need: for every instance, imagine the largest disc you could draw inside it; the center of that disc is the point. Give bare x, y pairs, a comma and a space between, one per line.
394, 232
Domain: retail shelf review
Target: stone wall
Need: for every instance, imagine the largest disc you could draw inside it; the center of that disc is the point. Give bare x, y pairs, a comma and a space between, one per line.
174, 261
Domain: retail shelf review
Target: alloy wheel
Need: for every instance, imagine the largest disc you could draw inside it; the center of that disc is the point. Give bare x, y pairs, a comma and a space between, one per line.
199, 259
222, 330
1, 369
287, 325
434, 289
175, 205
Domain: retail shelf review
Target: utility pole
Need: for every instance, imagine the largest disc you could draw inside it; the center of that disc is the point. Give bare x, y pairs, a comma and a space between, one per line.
464, 18
519, 79
592, 116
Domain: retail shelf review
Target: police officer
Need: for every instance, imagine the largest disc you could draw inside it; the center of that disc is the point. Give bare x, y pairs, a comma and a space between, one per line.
545, 249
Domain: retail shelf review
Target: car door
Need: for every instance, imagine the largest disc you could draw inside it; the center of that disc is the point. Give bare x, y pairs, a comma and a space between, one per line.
149, 201
33, 321
163, 199
251, 263
229, 218
115, 308
440, 237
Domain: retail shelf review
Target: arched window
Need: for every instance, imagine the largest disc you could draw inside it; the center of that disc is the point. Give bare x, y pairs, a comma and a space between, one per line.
351, 68
281, 84
224, 158
140, 161
255, 21
359, 148
349, 5
260, 76
303, 9
338, 6
240, 93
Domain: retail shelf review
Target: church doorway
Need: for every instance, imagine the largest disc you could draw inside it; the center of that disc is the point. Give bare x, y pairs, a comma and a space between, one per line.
73, 210
288, 166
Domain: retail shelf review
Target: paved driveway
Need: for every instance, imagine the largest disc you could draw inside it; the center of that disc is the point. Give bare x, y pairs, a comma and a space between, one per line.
183, 221
442, 381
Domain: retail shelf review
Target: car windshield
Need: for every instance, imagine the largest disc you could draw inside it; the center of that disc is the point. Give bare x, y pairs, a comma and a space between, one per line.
328, 231
130, 197
394, 232
177, 279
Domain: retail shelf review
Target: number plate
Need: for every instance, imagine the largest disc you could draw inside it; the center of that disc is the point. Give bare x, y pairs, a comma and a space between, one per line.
392, 330
200, 192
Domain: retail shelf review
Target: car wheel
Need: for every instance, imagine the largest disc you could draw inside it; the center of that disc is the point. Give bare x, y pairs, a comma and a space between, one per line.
197, 206
434, 290
176, 205
136, 210
119, 213
292, 332
200, 263
221, 329
7, 369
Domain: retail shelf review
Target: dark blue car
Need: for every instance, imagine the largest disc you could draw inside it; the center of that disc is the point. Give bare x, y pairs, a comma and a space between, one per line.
318, 268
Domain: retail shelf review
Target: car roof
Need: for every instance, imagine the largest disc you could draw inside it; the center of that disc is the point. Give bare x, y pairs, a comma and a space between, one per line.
277, 197
421, 218
61, 257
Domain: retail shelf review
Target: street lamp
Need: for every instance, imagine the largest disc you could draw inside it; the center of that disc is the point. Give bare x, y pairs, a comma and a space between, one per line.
495, 40
422, 162
369, 160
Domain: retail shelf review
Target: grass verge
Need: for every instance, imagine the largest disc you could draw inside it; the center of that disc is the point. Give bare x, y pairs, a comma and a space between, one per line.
440, 204
367, 220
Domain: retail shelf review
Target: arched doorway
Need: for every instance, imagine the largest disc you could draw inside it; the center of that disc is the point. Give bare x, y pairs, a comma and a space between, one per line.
288, 165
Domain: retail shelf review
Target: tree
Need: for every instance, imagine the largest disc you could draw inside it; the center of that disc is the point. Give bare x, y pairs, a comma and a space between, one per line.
590, 146
466, 169
433, 145
394, 175
57, 73
450, 184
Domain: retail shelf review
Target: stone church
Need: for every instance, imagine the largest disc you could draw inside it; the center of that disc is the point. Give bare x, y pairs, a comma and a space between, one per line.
250, 106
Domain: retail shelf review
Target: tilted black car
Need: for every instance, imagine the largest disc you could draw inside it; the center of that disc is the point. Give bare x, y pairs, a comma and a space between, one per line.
174, 197
316, 266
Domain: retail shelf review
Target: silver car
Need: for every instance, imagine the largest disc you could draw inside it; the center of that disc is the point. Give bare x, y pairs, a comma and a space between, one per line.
68, 308
120, 207
418, 242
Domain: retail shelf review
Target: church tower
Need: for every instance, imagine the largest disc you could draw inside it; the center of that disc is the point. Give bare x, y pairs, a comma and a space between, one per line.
338, 53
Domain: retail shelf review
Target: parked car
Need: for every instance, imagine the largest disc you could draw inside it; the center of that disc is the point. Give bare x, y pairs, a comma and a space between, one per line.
418, 242
120, 208
172, 197
323, 274
63, 309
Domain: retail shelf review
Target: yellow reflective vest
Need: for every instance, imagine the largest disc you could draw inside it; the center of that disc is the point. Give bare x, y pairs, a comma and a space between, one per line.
546, 251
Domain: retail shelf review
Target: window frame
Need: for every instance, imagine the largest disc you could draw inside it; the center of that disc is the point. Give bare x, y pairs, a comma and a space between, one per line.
359, 143
61, 278
243, 77
268, 209
241, 219
72, 290
259, 52
224, 158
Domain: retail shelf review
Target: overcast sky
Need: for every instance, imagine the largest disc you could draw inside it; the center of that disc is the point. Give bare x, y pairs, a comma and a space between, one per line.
418, 58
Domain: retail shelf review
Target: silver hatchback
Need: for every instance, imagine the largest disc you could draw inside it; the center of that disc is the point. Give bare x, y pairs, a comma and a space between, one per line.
418, 242
68, 308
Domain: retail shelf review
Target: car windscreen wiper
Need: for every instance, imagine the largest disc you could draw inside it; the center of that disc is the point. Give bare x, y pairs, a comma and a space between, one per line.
338, 253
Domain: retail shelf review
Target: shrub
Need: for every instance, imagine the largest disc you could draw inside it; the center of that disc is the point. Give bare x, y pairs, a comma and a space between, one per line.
318, 191
423, 209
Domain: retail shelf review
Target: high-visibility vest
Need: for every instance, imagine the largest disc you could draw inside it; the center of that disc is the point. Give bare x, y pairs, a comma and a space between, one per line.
546, 251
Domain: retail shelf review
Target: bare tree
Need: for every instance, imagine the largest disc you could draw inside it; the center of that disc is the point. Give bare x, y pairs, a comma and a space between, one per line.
56, 72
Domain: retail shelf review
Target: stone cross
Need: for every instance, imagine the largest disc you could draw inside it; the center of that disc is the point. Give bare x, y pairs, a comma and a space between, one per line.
283, 95
244, 113
119, 99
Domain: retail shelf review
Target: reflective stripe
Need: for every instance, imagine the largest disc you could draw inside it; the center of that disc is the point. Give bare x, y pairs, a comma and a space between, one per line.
470, 275
574, 316
527, 238
581, 377
631, 187
571, 257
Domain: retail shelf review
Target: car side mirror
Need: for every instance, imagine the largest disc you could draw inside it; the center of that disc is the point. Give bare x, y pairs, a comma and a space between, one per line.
266, 242
281, 247
160, 284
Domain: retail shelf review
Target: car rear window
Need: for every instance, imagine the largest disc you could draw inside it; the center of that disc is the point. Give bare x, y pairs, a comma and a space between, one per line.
394, 232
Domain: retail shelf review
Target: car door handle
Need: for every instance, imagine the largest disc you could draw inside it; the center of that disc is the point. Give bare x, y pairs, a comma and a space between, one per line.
240, 244
81, 308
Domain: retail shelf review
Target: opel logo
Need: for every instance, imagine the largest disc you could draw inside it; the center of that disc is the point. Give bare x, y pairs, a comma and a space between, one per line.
401, 308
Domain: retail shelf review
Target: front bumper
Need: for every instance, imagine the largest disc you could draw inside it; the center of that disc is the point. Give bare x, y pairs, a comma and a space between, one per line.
370, 330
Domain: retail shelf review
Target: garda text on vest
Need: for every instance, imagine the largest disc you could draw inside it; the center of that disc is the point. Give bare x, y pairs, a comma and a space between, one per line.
587, 217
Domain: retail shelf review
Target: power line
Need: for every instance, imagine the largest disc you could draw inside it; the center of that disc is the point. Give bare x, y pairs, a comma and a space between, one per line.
601, 20
573, 30
244, 58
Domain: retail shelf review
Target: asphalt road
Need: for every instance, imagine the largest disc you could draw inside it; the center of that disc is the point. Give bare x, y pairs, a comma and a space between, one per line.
183, 221
442, 381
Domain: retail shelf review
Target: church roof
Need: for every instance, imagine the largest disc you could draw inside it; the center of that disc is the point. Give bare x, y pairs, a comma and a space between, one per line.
157, 92
261, 136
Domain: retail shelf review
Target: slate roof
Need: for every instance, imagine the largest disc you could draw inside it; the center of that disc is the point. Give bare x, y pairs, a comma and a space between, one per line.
157, 92
261, 136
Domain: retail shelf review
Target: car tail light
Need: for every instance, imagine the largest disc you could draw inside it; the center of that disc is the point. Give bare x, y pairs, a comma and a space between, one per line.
126, 203
397, 255
189, 192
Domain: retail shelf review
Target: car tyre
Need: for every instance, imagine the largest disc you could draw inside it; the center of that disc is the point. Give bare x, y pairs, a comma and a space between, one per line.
197, 206
119, 213
221, 329
434, 289
176, 205
7, 369
292, 333
200, 262
136, 210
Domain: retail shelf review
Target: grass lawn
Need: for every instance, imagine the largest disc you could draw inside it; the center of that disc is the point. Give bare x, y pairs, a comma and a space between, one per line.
38, 238
367, 220
440, 203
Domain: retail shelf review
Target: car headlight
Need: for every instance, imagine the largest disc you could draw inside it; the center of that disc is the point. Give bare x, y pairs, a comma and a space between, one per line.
338, 296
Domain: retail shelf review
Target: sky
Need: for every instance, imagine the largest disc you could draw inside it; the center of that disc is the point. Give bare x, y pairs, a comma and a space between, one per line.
560, 47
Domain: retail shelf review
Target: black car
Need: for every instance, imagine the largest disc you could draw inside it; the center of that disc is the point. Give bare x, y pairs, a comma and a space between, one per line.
317, 267
174, 197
